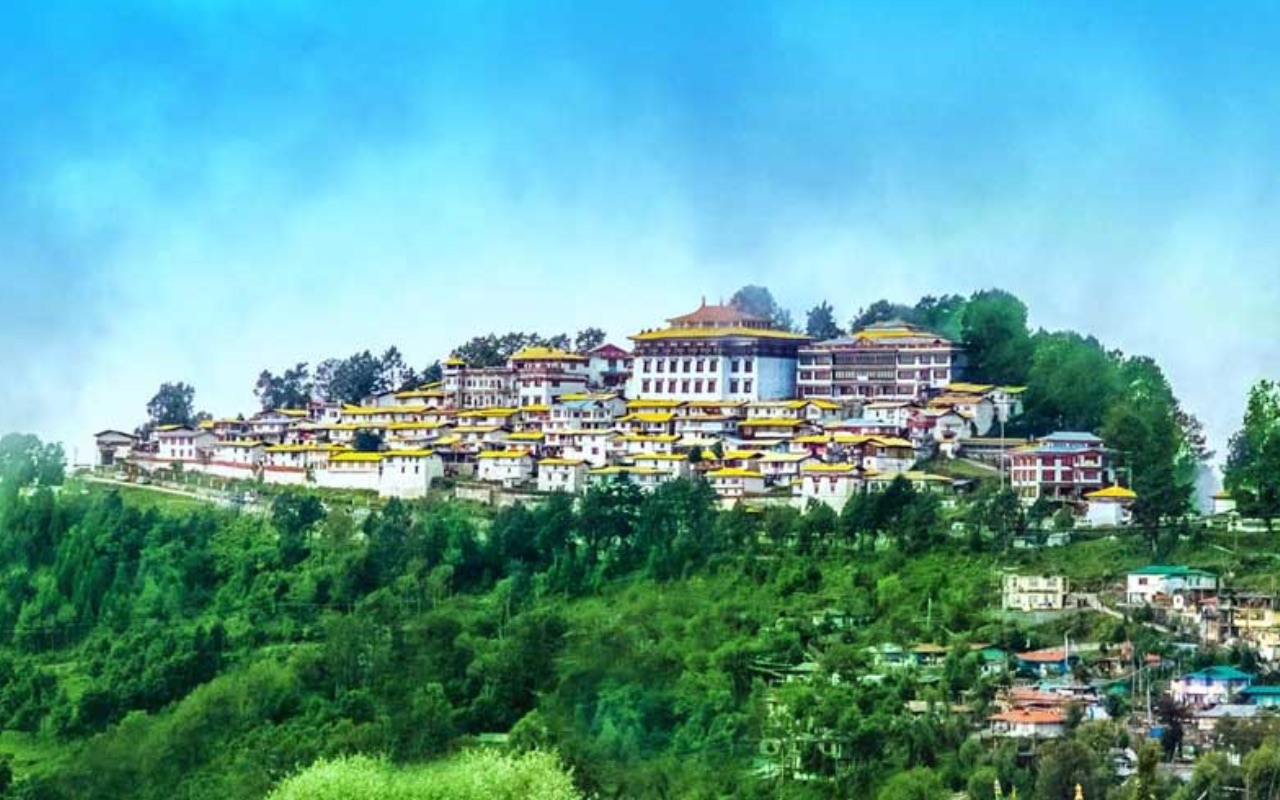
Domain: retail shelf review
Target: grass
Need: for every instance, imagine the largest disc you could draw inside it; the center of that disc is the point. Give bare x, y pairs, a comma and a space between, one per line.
30, 754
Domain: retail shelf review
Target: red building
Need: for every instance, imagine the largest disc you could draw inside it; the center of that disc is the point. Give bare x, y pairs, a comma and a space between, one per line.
1061, 466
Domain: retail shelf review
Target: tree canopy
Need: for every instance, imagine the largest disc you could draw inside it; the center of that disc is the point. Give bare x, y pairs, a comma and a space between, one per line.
1252, 474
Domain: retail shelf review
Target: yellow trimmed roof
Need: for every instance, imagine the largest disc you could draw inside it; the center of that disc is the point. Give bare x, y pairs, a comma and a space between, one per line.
454, 362
814, 438
650, 437
717, 333
766, 422
911, 475
245, 443
546, 354
477, 428
561, 462
733, 472
648, 416
167, 428
205, 424
654, 403
659, 457
1113, 493
828, 468
292, 412
526, 436
447, 441
307, 448
566, 398
495, 454
480, 413
408, 453
356, 457
889, 441
716, 403
783, 458
738, 455
969, 388
620, 469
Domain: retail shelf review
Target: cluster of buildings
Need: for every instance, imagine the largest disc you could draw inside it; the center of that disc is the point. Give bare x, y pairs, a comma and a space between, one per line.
760, 412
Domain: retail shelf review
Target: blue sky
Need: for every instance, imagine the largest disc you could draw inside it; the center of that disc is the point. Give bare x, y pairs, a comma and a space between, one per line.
195, 191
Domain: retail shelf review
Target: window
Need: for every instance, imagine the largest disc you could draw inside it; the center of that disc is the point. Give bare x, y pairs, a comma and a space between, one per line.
711, 386
671, 387
747, 364
733, 386
697, 387
702, 362
687, 365
733, 365
746, 386
684, 386
646, 365
644, 385
660, 365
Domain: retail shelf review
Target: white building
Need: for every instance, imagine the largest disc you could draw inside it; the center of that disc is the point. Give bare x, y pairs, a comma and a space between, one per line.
544, 374
677, 464
351, 470
732, 483
1157, 582
1110, 506
562, 475
1023, 723
238, 460
408, 473
180, 444
715, 353
833, 484
596, 447
646, 478
585, 412
509, 468
782, 468
296, 464
1033, 593
114, 447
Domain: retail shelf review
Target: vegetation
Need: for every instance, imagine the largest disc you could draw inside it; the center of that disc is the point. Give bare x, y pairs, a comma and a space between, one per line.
1253, 464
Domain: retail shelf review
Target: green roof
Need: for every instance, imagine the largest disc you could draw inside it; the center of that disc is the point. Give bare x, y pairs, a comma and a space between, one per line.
1221, 674
1156, 569
1263, 690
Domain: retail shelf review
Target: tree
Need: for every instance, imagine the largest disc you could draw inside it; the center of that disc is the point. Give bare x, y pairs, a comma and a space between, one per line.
1252, 474
881, 311
1071, 382
1064, 763
588, 339
26, 461
995, 337
292, 389
367, 442
356, 378
915, 784
172, 405
433, 373
821, 322
758, 301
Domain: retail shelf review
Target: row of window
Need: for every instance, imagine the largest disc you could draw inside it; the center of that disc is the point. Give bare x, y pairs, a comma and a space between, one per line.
696, 386
694, 365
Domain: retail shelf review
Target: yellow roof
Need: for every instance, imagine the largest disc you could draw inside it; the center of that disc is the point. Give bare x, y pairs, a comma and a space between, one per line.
454, 362
1113, 493
477, 428
836, 468
357, 457
408, 453
784, 458
648, 416
561, 462
526, 436
546, 354
815, 438
307, 448
763, 422
717, 333
416, 426
166, 428
293, 412
480, 413
205, 424
588, 396
503, 454
732, 472
659, 457
969, 388
654, 403
650, 437
619, 469
413, 394
738, 455
716, 403
447, 441
911, 475
240, 443
890, 441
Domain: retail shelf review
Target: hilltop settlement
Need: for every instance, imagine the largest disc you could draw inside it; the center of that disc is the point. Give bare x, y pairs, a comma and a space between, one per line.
765, 415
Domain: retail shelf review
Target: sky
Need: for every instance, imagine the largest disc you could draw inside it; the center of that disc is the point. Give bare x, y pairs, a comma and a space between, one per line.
196, 191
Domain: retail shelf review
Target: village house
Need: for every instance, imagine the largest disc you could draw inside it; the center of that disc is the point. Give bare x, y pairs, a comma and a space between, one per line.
1053, 661
717, 352
652, 423
884, 361
562, 475
833, 484
509, 468
646, 478
920, 481
634, 444
677, 464
1109, 507
1060, 467
979, 410
273, 427
732, 484
478, 387
1033, 593
181, 444
114, 447
1255, 620
237, 460
596, 447
292, 464
782, 468
709, 418
1159, 584
609, 367
1223, 503
350, 470
409, 473
1022, 723
1209, 687
544, 374
589, 412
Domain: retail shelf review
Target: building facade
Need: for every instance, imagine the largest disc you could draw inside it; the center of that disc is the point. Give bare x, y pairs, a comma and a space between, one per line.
885, 361
715, 353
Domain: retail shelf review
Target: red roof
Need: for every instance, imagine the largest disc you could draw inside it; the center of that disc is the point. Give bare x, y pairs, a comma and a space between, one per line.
1020, 715
1034, 697
1050, 656
716, 315
610, 351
